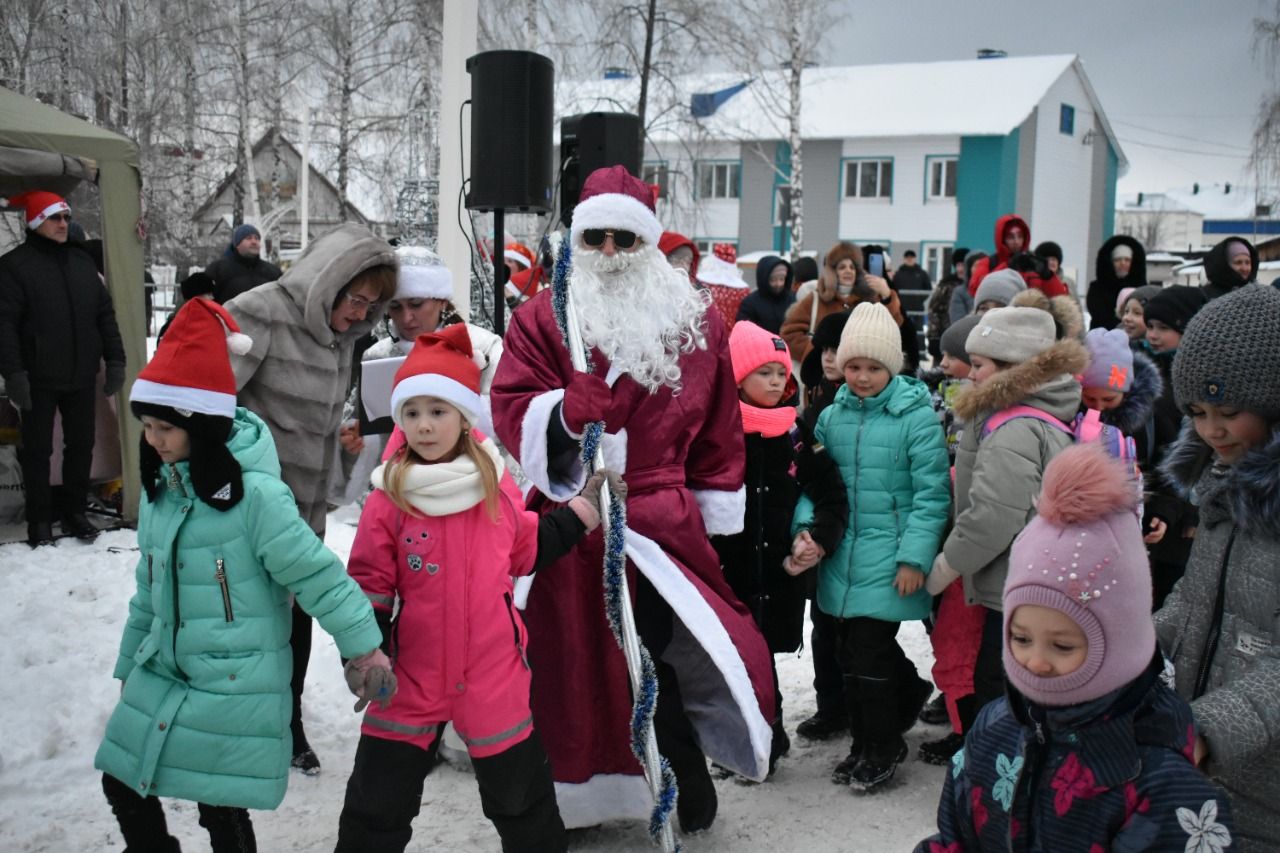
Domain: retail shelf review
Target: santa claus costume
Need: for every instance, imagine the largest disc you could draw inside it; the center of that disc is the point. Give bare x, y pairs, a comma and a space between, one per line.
673, 427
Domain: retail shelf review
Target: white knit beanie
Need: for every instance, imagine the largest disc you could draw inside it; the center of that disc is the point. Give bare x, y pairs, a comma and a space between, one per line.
871, 333
1012, 335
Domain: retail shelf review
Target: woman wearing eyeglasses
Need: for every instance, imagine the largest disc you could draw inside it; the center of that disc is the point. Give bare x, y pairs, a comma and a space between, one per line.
420, 305
297, 375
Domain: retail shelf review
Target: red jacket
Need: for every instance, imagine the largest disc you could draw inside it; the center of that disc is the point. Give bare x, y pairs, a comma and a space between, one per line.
985, 265
459, 639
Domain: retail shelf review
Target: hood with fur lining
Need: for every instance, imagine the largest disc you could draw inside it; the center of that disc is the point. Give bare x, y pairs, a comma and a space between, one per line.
1130, 417
1012, 386
1249, 491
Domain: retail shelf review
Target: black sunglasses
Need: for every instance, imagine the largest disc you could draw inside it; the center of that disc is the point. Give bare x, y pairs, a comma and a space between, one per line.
594, 237
64, 217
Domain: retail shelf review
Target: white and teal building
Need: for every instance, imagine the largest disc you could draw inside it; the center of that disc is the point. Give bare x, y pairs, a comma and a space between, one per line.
920, 156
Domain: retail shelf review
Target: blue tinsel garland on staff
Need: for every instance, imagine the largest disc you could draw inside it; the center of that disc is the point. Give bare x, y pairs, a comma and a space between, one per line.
646, 697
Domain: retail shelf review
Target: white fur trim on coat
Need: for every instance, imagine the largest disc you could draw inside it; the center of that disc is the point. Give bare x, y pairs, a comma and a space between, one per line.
615, 211
533, 450
603, 797
722, 512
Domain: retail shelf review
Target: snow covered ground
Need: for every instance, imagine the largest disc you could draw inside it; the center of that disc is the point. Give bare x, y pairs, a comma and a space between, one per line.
61, 612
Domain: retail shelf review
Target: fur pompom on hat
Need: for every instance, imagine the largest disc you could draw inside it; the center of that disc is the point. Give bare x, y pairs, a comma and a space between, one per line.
1083, 556
871, 333
1229, 354
1011, 335
842, 251
613, 198
751, 347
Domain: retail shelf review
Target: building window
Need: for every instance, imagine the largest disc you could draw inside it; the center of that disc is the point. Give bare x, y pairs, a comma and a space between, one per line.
719, 180
1067, 120
868, 179
937, 260
942, 177
655, 174
781, 205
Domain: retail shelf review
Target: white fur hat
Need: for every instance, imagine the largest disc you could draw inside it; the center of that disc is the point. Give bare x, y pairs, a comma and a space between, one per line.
422, 275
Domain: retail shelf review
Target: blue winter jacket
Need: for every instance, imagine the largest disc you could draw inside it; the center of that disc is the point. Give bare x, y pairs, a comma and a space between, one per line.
205, 659
893, 458
1110, 775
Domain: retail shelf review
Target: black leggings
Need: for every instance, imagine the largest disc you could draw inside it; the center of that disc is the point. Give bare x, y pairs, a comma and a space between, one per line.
144, 828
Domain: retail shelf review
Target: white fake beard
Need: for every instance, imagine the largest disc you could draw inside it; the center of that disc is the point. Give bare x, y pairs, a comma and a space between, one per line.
639, 311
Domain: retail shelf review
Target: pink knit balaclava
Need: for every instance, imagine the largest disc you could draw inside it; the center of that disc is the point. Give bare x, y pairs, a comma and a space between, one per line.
1083, 556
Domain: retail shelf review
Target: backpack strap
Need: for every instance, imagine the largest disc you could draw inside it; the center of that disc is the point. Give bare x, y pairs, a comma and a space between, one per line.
1002, 417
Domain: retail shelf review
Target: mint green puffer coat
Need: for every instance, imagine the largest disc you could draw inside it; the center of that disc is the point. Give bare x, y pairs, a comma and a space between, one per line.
893, 458
204, 714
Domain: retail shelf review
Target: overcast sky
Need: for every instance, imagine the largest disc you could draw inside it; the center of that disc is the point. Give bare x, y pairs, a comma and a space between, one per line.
1171, 74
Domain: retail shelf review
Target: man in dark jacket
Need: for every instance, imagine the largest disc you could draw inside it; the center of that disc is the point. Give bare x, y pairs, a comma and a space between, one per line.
240, 268
57, 325
768, 305
911, 276
1121, 263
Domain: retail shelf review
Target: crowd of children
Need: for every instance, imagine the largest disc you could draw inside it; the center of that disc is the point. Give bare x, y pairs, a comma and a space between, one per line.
869, 492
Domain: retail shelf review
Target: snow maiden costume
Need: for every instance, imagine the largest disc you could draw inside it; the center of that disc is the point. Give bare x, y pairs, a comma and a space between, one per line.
681, 456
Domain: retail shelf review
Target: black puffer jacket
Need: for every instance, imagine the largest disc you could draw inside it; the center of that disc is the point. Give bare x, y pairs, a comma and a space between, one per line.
752, 559
56, 318
764, 307
233, 274
1222, 278
1105, 289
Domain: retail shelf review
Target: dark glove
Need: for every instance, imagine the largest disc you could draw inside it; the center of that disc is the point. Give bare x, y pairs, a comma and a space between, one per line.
617, 487
586, 400
114, 380
370, 679
18, 389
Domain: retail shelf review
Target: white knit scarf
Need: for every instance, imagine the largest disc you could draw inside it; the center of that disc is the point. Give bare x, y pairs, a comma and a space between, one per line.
443, 488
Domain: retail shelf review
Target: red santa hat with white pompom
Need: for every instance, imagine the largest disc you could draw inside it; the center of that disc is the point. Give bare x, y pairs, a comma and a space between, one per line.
37, 206
191, 370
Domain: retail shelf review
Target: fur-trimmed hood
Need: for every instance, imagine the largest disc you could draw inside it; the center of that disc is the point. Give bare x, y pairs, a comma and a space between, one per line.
1052, 373
1249, 491
1131, 416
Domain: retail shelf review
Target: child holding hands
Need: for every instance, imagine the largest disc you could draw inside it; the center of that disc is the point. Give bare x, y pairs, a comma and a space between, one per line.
443, 532
889, 446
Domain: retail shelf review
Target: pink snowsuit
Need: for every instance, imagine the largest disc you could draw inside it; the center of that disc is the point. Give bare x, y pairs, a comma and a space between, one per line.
459, 642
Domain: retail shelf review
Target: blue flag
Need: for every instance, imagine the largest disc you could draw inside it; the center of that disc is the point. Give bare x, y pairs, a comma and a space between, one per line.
705, 104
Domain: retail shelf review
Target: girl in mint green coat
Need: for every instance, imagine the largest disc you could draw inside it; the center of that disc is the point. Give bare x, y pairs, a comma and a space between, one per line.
205, 661
882, 432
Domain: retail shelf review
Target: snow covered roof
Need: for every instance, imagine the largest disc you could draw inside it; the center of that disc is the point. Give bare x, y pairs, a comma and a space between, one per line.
1211, 202
972, 97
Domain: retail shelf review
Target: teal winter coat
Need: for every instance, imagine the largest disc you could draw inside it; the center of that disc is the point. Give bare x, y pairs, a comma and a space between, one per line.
205, 659
893, 459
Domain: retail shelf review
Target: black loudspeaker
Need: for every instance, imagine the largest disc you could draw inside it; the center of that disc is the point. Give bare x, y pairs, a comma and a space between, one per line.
591, 141
512, 101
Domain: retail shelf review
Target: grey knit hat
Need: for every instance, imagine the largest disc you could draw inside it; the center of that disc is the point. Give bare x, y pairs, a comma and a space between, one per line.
1000, 286
1229, 354
953, 338
1012, 335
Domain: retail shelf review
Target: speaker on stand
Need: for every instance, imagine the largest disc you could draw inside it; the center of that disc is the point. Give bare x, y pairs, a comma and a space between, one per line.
512, 101
591, 141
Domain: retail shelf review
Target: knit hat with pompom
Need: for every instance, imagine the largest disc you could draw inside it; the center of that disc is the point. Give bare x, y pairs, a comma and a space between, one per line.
1083, 556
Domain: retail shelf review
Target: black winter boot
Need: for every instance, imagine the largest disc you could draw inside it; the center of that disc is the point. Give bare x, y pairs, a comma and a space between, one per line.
940, 751
935, 713
879, 762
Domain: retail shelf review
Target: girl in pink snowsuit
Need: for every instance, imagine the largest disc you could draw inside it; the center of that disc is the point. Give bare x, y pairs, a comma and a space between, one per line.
443, 532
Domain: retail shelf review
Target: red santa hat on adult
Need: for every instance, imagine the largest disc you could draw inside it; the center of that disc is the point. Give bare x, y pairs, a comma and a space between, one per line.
441, 365
422, 274
191, 370
613, 198
38, 206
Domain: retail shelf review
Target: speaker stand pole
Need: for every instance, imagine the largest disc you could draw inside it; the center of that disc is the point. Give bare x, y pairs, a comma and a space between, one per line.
499, 274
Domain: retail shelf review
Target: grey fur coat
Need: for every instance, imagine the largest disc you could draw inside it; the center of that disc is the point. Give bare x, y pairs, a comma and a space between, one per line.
297, 375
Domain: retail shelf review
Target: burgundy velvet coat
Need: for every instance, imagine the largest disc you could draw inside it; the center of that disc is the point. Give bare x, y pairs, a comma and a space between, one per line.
682, 457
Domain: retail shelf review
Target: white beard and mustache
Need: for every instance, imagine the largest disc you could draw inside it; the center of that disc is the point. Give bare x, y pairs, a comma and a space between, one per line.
639, 311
